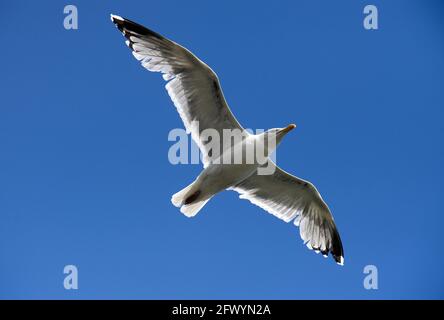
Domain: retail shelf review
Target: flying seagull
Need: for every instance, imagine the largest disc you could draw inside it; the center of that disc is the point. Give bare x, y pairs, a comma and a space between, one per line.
197, 95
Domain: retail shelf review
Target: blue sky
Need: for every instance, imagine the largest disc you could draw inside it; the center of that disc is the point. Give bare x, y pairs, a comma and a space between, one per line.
84, 171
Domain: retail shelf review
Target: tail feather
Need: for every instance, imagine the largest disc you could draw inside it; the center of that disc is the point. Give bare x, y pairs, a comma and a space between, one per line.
179, 198
187, 200
190, 210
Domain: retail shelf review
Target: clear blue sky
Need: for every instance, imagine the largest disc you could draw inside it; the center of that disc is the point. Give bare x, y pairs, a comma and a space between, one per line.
85, 177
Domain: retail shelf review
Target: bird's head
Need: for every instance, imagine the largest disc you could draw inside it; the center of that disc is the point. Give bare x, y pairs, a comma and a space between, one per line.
273, 137
279, 133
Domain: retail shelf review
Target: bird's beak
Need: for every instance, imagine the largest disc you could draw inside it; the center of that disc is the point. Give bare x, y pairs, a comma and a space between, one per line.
288, 128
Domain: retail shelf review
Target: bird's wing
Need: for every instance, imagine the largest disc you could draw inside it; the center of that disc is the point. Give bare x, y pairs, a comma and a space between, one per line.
192, 85
292, 199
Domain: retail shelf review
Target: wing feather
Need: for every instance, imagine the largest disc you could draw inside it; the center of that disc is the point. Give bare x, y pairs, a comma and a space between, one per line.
292, 199
192, 86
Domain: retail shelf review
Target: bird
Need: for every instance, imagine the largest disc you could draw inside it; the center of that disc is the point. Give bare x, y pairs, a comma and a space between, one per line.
197, 95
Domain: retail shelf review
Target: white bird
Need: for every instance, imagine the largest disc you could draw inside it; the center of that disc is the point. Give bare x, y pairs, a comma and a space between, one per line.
197, 95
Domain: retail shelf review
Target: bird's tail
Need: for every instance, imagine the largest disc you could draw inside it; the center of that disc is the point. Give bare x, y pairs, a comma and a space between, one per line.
190, 210
179, 198
188, 200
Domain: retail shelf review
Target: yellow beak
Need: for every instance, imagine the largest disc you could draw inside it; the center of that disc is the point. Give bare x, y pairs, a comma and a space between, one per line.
288, 128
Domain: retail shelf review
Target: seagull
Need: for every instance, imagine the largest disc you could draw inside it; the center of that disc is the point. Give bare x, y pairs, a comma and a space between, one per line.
196, 93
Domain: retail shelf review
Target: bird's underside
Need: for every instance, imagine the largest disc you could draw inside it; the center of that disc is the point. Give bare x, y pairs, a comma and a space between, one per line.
196, 93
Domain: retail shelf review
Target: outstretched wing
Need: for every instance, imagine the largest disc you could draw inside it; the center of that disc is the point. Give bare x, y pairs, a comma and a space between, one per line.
192, 85
292, 199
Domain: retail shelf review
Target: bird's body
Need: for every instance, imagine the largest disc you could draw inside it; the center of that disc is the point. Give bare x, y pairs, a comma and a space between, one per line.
212, 180
231, 164
222, 172
218, 177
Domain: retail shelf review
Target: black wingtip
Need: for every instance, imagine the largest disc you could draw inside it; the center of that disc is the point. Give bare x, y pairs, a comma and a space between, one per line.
124, 25
335, 248
337, 251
